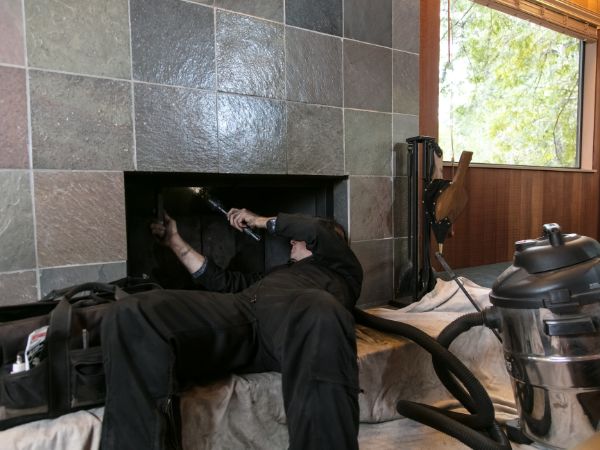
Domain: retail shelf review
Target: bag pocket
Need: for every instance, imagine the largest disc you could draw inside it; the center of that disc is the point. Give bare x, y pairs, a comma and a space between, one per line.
23, 390
87, 377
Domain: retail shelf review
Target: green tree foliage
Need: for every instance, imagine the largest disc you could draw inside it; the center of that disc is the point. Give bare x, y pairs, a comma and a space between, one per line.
509, 91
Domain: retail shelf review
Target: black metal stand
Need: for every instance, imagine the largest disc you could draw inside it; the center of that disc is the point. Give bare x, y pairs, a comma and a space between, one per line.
419, 278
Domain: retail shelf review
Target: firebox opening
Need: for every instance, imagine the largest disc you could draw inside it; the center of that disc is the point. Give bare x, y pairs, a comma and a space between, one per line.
207, 230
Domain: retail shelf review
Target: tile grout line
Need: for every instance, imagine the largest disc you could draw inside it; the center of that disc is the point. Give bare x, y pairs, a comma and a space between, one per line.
101, 263
348, 187
379, 239
65, 266
133, 129
392, 159
30, 153
344, 102
394, 164
41, 170
285, 93
14, 66
211, 91
216, 90
231, 11
89, 75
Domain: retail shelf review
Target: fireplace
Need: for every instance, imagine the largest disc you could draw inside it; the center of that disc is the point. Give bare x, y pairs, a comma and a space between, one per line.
255, 92
183, 197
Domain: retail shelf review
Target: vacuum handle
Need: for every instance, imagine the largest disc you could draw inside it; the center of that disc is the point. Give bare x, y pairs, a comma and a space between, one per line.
552, 231
569, 327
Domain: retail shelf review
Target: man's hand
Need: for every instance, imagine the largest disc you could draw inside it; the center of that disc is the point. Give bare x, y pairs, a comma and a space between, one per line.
168, 236
165, 232
242, 218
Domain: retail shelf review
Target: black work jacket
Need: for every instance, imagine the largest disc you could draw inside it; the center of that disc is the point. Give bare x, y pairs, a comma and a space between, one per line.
332, 267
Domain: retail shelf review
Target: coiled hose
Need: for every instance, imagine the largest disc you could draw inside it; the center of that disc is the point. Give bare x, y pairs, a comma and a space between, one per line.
446, 337
478, 430
491, 318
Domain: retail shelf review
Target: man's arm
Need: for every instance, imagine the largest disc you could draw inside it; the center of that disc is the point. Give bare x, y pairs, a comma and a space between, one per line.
327, 246
205, 272
168, 235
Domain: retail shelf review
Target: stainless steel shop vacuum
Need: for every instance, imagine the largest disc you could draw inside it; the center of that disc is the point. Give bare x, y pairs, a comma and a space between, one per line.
549, 305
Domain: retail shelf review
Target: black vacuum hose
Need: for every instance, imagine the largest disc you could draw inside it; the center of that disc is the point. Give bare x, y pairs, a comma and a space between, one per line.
446, 337
436, 418
461, 426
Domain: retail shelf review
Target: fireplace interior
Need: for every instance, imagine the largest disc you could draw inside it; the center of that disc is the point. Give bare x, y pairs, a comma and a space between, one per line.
183, 197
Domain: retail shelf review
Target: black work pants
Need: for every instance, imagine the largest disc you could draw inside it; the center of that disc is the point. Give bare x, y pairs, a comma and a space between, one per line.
155, 343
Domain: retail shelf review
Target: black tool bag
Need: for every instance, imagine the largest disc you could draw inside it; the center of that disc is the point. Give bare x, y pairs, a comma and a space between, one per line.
70, 372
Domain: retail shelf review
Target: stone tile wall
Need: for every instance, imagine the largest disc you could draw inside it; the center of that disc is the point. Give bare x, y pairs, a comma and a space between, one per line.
89, 90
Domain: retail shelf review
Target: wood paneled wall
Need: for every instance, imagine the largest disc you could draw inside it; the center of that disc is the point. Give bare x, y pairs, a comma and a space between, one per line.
592, 5
506, 205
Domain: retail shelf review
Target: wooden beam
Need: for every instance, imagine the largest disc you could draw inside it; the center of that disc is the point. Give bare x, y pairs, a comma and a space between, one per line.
429, 67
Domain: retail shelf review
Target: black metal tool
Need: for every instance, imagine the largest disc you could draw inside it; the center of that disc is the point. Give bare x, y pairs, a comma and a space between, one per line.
455, 278
216, 205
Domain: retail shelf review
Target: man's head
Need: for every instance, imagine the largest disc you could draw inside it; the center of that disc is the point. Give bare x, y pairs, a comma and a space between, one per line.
298, 249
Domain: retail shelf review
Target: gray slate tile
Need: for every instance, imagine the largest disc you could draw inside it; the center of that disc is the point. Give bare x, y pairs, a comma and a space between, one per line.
80, 217
62, 277
376, 258
315, 140
12, 46
17, 251
267, 9
368, 21
82, 37
402, 268
406, 83
17, 288
368, 143
370, 207
250, 56
313, 67
406, 25
367, 77
13, 122
173, 43
340, 203
80, 122
318, 15
401, 206
251, 134
405, 126
176, 129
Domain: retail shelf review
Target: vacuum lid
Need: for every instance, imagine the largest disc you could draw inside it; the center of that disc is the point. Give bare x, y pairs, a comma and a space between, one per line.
556, 271
554, 250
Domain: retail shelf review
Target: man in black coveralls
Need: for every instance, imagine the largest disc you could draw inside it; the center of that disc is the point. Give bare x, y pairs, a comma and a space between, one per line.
296, 320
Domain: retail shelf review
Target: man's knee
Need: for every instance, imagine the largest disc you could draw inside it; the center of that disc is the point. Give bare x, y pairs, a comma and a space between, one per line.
322, 340
320, 306
320, 301
125, 318
324, 325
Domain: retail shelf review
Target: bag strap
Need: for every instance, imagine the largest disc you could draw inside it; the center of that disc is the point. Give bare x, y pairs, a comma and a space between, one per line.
94, 286
59, 375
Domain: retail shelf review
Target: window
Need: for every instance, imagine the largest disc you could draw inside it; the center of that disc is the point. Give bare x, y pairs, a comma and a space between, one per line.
510, 90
